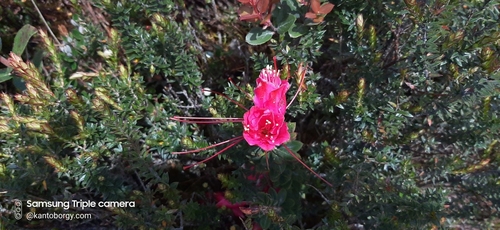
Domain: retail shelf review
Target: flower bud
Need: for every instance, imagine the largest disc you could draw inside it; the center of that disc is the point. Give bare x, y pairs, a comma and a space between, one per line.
7, 100
102, 94
78, 120
55, 164
360, 23
73, 98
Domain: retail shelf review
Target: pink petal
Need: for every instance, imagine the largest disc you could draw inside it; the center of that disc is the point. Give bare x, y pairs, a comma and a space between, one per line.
265, 128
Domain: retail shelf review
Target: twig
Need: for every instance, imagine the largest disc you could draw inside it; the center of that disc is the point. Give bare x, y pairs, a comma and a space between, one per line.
323, 196
139, 178
46, 24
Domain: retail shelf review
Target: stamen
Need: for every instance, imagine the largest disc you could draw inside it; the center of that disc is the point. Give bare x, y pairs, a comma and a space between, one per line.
223, 95
275, 60
297, 93
238, 140
304, 164
205, 120
247, 94
208, 147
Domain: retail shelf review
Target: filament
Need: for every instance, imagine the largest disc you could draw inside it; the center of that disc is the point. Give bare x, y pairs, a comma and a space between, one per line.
296, 93
208, 147
307, 167
238, 139
223, 95
248, 95
205, 120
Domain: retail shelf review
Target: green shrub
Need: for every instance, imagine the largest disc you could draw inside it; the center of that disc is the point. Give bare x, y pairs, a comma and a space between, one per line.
397, 111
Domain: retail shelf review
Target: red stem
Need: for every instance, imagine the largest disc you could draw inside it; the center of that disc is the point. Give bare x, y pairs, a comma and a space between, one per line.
296, 93
233, 101
205, 120
216, 154
307, 167
298, 90
208, 147
248, 95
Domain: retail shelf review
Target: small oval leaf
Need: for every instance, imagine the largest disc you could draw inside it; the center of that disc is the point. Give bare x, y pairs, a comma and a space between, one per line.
297, 31
22, 38
287, 24
258, 36
294, 145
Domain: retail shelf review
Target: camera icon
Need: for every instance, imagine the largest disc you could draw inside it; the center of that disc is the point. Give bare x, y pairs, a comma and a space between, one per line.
18, 209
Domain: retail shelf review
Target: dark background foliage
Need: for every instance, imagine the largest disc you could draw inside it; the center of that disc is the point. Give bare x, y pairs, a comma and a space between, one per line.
400, 115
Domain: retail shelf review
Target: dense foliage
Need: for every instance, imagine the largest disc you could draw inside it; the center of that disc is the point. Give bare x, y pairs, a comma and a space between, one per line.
398, 110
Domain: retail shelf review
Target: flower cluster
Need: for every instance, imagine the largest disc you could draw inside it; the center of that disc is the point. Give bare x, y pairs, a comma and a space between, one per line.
236, 208
264, 124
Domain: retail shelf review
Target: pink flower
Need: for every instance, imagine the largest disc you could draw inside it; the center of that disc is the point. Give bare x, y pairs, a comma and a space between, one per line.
262, 181
264, 124
236, 208
265, 128
223, 202
271, 91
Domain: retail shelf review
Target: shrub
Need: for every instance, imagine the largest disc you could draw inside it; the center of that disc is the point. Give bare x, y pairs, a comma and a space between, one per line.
395, 108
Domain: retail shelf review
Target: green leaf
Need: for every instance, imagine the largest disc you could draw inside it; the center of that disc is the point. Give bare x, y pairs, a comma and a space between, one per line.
291, 126
265, 222
286, 24
294, 145
274, 195
37, 58
406, 114
22, 38
284, 179
290, 5
258, 36
19, 83
281, 196
5, 74
297, 31
281, 152
262, 197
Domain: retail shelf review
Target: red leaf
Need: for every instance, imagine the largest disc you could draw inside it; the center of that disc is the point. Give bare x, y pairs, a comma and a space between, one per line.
262, 6
246, 12
326, 8
311, 15
315, 6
